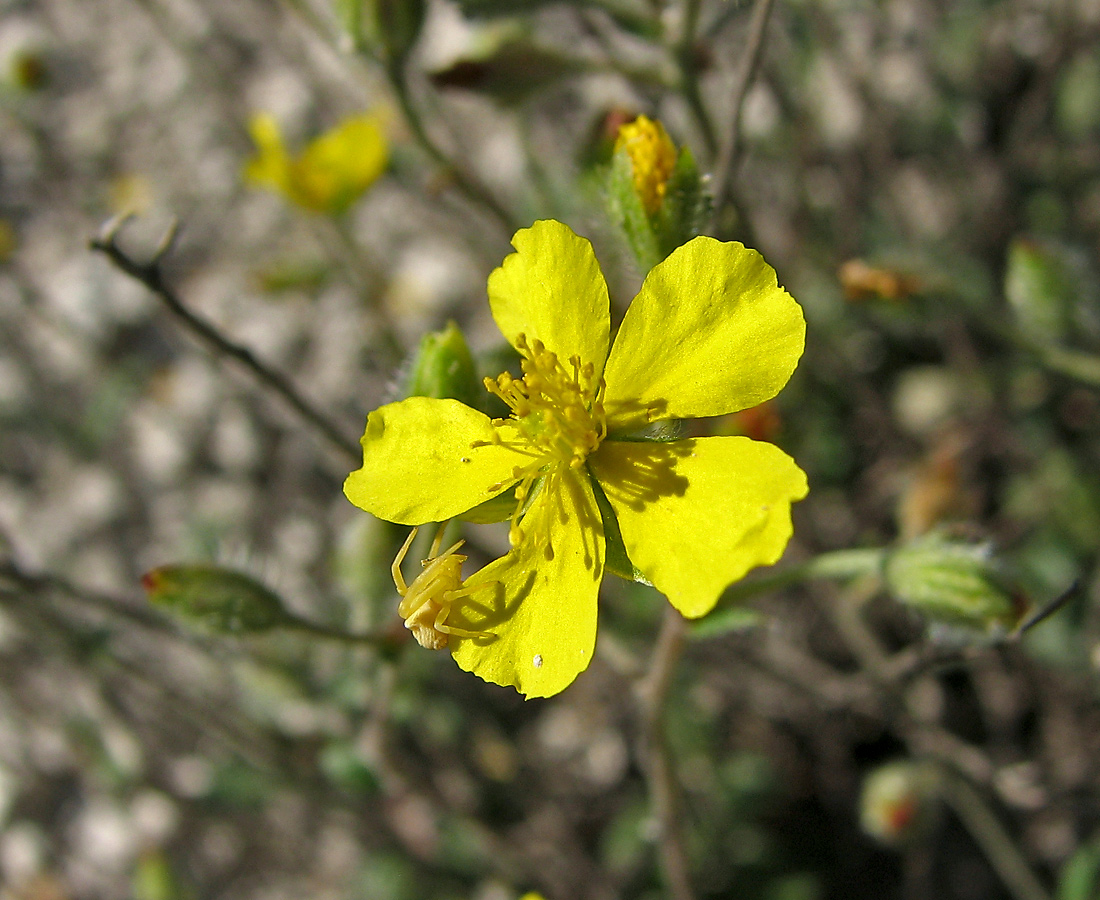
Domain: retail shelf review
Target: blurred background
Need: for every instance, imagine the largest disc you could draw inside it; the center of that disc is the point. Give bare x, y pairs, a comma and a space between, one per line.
925, 178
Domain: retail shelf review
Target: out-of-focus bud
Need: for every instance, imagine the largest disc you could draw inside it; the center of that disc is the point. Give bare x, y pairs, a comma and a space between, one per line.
222, 600
951, 581
398, 23
863, 282
898, 802
443, 368
654, 192
1041, 288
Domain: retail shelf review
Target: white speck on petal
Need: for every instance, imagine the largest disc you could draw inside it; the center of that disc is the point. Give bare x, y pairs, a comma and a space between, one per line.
538, 660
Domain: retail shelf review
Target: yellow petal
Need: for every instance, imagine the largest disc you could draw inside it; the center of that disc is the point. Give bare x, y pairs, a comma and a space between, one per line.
710, 332
337, 167
419, 465
540, 621
696, 515
551, 289
269, 167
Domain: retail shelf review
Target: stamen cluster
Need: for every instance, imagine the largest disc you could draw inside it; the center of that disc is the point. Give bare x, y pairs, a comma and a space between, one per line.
557, 411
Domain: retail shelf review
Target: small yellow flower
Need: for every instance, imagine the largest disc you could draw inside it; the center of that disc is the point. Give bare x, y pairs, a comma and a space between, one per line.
652, 157
331, 173
710, 332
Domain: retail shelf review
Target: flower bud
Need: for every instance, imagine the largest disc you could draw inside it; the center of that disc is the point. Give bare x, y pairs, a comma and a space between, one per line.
897, 802
224, 601
443, 368
654, 192
951, 581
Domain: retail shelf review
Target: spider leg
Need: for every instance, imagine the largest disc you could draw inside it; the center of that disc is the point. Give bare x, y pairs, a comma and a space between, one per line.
441, 626
437, 542
468, 592
395, 569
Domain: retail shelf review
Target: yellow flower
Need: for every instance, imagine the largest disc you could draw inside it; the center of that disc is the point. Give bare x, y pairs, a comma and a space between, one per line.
652, 157
709, 333
330, 174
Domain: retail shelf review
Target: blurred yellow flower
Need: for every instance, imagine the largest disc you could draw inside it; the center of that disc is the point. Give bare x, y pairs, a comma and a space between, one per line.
652, 157
710, 332
331, 173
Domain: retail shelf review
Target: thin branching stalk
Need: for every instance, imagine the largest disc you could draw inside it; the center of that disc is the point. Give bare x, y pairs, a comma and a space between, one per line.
996, 843
729, 154
664, 794
151, 275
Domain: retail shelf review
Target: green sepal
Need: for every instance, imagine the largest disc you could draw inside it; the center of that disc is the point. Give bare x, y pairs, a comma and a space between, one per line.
223, 600
951, 581
686, 206
616, 559
628, 213
444, 369
498, 509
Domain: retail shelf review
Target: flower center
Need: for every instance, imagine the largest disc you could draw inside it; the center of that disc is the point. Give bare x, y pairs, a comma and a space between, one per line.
557, 412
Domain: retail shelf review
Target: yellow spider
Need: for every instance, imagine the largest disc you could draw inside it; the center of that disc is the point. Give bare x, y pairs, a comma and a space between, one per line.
428, 601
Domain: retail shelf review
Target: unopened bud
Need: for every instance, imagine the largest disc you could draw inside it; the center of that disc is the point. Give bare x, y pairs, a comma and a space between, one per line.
654, 192
951, 581
898, 802
444, 369
222, 600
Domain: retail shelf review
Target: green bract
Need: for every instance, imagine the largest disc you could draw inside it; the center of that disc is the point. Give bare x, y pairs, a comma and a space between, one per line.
710, 332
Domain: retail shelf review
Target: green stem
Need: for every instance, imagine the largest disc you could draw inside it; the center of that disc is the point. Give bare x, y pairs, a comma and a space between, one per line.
464, 182
689, 75
991, 836
838, 564
374, 639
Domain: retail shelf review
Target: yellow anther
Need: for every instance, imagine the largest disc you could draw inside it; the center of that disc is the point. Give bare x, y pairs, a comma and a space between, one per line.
556, 412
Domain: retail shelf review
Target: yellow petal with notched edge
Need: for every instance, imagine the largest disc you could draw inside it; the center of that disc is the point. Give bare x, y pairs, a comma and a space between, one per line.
419, 465
710, 332
696, 515
539, 622
551, 289
337, 167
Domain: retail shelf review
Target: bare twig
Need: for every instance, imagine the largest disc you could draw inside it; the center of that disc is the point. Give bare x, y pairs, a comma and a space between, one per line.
150, 274
725, 164
991, 836
664, 795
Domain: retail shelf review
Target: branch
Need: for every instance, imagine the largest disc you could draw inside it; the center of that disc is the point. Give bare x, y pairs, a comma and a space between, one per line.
653, 696
726, 162
150, 274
